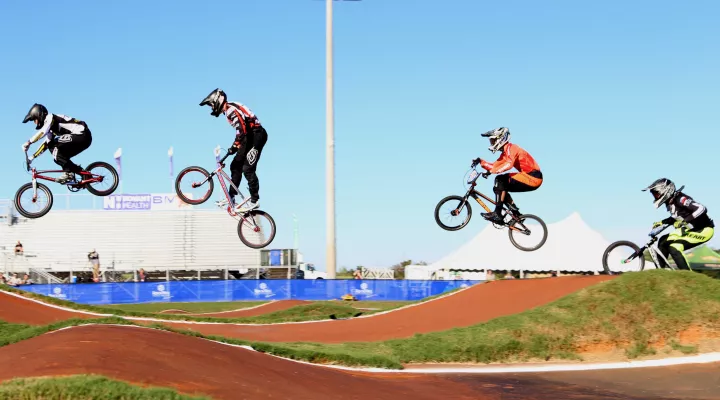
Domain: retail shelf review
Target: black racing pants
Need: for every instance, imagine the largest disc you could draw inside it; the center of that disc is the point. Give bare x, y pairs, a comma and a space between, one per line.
515, 182
245, 162
68, 146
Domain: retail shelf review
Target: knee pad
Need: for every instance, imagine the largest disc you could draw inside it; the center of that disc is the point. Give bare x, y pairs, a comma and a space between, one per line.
500, 184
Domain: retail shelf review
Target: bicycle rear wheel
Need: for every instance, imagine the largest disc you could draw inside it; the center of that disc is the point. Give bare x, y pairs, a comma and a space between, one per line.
522, 229
192, 178
42, 204
256, 229
615, 258
106, 171
452, 211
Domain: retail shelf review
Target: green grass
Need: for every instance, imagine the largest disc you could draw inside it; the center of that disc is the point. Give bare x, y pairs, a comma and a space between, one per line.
84, 387
308, 312
200, 307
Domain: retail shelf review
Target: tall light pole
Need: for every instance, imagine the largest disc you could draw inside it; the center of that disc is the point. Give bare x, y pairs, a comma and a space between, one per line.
330, 255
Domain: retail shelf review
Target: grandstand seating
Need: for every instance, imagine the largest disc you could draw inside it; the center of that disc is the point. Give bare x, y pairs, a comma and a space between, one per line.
196, 239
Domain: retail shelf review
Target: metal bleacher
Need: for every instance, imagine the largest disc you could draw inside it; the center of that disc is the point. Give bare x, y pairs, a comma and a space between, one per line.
156, 241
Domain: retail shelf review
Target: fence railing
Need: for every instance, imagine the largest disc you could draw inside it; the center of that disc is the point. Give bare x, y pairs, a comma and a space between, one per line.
243, 290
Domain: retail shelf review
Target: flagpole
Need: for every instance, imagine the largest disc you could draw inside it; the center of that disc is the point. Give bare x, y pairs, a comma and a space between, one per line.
118, 155
172, 182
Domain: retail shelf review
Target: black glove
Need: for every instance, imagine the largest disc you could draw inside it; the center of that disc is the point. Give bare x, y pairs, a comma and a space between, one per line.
233, 149
476, 162
485, 174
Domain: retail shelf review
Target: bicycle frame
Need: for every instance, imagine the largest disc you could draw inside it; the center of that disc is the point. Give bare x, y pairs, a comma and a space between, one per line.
222, 175
652, 247
475, 194
35, 174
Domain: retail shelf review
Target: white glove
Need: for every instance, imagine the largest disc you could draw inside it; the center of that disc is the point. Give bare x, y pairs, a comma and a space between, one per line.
26, 145
30, 158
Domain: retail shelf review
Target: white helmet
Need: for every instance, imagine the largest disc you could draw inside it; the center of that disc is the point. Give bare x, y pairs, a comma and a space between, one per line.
498, 138
662, 190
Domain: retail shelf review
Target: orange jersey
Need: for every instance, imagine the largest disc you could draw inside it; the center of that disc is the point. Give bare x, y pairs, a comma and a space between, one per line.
512, 156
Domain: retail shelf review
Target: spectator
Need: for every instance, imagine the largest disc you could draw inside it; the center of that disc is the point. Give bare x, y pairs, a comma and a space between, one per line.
14, 280
26, 280
141, 275
19, 249
490, 275
357, 274
94, 259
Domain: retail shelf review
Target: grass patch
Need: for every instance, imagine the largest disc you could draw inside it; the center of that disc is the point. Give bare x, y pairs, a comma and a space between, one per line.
200, 307
685, 349
309, 312
84, 387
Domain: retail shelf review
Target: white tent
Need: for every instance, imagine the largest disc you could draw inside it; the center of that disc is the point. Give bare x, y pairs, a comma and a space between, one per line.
571, 246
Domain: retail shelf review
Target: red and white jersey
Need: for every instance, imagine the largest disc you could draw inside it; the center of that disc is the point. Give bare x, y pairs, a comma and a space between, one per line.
240, 117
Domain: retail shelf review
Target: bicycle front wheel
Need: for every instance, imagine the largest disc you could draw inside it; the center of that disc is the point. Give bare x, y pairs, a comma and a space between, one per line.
256, 229
30, 206
617, 258
450, 215
193, 186
529, 233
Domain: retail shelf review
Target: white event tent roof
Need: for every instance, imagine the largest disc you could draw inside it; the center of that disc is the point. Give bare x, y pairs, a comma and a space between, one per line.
571, 246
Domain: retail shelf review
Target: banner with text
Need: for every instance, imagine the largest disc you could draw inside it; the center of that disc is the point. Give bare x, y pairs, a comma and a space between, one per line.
246, 290
145, 202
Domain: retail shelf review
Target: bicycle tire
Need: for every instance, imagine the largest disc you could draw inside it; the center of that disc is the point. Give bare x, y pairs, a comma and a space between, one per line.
269, 239
186, 199
617, 244
525, 217
28, 214
114, 174
450, 228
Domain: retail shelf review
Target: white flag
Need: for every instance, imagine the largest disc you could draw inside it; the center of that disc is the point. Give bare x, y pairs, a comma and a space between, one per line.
118, 152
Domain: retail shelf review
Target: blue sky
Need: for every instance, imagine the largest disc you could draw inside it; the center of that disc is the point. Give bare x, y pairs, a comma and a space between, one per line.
607, 96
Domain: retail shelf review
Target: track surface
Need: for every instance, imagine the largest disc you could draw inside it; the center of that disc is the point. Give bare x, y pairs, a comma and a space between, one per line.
471, 306
192, 365
21, 311
266, 308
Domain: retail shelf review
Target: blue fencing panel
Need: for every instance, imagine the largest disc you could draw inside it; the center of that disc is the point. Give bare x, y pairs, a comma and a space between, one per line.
246, 290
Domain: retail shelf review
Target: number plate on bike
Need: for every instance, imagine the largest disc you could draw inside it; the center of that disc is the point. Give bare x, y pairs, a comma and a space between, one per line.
474, 174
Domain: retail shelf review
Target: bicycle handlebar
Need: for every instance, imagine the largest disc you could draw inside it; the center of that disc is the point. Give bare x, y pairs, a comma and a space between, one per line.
27, 161
226, 156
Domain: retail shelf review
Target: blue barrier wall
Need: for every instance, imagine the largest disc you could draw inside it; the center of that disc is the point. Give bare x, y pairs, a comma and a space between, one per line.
243, 290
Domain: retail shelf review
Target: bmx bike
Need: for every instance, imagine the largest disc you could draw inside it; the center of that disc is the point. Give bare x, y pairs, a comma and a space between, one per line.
35, 190
512, 219
613, 262
250, 228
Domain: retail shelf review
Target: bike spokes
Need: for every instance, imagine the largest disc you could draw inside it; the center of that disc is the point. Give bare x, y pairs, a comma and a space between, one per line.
102, 180
32, 203
623, 257
194, 185
450, 215
527, 232
256, 229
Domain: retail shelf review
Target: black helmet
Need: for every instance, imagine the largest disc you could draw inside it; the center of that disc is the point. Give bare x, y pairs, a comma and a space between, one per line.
216, 100
37, 112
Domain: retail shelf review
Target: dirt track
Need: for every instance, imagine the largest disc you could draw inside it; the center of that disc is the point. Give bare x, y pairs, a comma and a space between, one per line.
477, 304
266, 308
191, 365
21, 311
